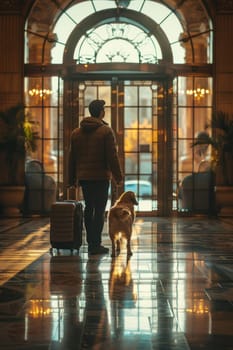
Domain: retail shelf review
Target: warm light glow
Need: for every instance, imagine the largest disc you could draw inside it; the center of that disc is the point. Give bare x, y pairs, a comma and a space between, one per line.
39, 308
198, 93
199, 307
42, 93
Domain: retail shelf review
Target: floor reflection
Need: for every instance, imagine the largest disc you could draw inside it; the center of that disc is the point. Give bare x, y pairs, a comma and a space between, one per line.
122, 294
175, 292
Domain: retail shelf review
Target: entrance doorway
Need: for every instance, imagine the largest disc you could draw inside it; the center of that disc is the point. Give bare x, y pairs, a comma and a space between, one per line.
139, 113
154, 118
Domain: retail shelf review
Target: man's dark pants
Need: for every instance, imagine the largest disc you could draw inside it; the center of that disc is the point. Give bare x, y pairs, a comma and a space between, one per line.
95, 195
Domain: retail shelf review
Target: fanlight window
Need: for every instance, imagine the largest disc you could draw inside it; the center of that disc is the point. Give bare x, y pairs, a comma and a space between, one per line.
117, 42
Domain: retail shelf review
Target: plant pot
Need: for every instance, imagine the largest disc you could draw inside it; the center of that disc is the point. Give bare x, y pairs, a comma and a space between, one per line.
11, 200
224, 200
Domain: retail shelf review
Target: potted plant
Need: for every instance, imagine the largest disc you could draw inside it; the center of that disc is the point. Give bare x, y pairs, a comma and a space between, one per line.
17, 138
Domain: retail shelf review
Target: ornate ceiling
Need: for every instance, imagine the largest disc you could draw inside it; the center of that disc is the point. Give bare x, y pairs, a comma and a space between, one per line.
193, 11
49, 7
44, 11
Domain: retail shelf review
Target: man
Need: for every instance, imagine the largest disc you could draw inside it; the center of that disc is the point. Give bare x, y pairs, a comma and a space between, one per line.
93, 161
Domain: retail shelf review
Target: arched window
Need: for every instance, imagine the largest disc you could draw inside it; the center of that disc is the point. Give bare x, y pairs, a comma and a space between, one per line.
136, 38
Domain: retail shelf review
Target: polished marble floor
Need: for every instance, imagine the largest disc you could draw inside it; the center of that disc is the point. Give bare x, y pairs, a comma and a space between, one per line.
175, 292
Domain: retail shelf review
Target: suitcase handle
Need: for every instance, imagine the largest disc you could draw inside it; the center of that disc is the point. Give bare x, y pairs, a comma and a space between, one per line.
73, 193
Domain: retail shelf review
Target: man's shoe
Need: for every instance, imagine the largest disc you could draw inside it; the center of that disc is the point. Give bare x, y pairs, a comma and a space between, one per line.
98, 250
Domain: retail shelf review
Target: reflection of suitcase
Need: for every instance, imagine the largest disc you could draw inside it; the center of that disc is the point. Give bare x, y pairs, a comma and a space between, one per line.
66, 225
66, 275
66, 279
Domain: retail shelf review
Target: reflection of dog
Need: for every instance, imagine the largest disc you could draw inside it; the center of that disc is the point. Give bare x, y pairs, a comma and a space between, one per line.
121, 286
120, 221
122, 293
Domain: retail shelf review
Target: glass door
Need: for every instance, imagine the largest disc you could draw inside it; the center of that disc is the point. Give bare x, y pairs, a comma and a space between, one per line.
138, 122
136, 110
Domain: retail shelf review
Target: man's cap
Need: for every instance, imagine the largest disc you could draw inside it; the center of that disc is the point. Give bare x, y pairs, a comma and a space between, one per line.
95, 107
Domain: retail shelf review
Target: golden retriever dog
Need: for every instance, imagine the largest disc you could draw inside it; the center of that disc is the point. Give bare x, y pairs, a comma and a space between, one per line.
120, 221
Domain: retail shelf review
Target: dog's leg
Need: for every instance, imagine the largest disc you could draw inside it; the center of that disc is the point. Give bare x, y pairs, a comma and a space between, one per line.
129, 252
118, 246
113, 248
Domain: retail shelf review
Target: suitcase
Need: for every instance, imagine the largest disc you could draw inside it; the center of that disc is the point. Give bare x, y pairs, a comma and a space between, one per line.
66, 225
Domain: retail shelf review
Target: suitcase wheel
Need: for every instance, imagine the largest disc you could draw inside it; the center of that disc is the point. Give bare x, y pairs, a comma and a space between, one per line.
58, 251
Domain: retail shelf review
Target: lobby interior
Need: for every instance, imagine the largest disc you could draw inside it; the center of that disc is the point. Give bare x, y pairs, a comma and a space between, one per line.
176, 291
